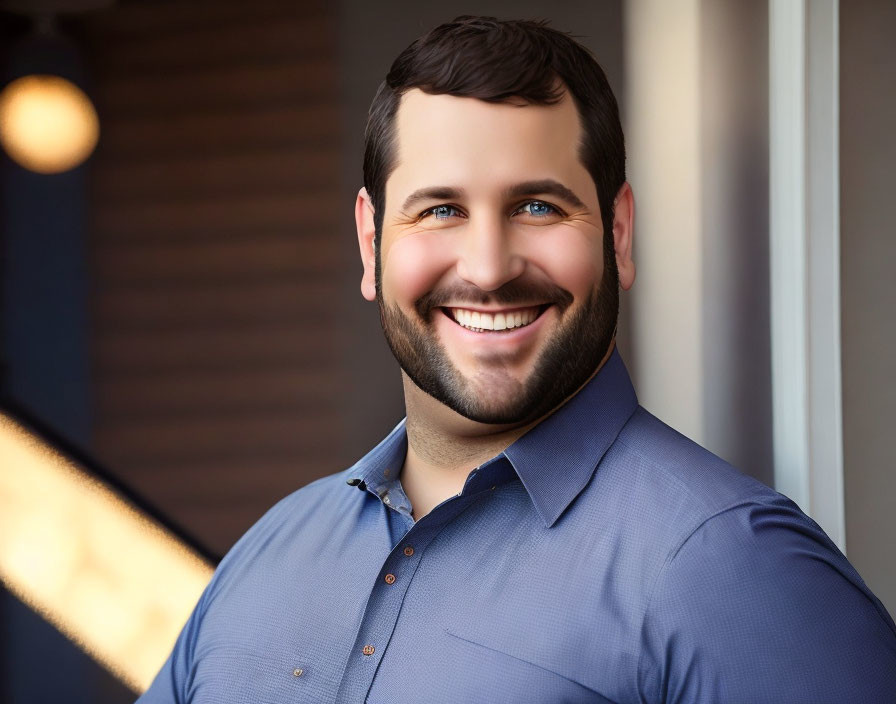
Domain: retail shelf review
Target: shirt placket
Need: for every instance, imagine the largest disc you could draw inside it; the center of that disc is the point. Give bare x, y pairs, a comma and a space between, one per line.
387, 595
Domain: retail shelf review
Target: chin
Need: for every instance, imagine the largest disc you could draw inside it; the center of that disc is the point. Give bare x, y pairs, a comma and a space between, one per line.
493, 398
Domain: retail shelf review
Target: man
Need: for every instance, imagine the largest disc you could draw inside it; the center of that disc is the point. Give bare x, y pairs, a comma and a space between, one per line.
529, 533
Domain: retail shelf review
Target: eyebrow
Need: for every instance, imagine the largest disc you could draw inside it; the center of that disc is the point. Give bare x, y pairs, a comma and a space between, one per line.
432, 193
547, 186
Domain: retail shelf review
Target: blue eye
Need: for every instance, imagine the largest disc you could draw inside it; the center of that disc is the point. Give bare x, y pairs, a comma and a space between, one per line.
442, 212
538, 209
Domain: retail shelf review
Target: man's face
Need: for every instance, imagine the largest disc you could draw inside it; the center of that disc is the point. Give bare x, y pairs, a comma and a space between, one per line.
494, 295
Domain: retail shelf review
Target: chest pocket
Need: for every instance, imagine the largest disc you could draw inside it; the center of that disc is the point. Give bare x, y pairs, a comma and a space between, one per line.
535, 670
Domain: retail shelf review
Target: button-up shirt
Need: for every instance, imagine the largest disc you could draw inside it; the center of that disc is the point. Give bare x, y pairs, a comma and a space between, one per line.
602, 557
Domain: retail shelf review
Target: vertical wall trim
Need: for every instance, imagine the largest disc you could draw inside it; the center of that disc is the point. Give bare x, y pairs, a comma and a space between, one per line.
804, 258
823, 176
787, 257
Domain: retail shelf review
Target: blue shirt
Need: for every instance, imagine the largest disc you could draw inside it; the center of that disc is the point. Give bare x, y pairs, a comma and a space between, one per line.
602, 557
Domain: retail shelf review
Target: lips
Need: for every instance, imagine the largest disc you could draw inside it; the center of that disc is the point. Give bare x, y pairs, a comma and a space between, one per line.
494, 321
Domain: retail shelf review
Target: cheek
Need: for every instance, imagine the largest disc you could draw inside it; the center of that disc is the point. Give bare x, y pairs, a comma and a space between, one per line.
413, 266
571, 259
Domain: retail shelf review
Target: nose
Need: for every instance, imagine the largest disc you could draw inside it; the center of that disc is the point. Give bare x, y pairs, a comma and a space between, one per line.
488, 258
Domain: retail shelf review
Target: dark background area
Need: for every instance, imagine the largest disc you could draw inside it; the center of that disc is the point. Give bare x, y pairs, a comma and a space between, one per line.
185, 306
214, 257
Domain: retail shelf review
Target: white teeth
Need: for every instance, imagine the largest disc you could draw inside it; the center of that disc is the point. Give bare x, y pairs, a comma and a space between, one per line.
478, 321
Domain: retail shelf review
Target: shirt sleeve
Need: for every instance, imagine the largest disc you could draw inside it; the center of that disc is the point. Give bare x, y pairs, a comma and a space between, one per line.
758, 605
174, 682
170, 684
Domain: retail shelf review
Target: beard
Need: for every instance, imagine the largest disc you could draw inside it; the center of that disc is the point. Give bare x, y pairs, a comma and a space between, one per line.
493, 395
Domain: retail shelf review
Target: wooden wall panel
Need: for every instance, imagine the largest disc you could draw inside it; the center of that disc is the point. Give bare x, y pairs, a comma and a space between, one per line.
213, 253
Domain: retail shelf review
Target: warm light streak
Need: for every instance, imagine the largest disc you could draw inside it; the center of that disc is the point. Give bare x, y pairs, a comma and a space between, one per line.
117, 584
47, 124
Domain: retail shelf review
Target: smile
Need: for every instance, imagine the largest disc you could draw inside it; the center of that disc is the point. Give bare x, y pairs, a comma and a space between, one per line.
480, 321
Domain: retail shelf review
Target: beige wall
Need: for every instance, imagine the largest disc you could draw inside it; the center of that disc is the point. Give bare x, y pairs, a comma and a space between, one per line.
868, 258
696, 123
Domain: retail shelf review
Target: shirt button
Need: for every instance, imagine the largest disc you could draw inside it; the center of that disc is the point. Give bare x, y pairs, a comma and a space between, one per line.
368, 650
390, 579
298, 672
409, 551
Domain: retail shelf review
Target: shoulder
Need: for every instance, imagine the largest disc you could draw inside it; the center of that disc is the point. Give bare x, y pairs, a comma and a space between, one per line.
308, 510
683, 469
668, 485
749, 599
318, 497
757, 603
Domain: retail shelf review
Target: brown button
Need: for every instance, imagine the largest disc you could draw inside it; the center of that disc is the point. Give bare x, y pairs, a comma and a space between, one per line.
390, 579
409, 551
298, 672
368, 650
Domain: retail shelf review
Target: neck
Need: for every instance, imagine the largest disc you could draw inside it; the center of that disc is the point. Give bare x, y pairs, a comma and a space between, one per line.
444, 446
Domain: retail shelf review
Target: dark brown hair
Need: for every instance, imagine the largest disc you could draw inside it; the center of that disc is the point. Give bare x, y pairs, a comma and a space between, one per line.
499, 61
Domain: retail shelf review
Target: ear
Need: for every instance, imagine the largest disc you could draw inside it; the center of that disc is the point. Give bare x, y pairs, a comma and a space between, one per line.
366, 231
623, 233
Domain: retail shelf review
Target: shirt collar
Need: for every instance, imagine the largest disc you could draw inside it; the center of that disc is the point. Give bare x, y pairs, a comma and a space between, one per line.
380, 467
554, 460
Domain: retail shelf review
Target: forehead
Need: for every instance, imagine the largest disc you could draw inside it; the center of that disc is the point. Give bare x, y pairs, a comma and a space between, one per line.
444, 140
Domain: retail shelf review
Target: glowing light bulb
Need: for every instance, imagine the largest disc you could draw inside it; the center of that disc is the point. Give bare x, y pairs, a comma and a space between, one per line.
47, 124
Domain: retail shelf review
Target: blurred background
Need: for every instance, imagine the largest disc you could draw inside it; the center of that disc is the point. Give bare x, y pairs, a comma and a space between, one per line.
181, 314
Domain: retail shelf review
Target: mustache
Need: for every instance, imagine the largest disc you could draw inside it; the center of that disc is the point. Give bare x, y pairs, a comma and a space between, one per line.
516, 292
